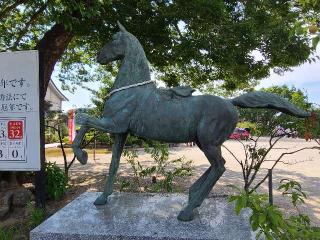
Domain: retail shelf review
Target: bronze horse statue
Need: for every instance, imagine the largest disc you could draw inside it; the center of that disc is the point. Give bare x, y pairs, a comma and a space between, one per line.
137, 106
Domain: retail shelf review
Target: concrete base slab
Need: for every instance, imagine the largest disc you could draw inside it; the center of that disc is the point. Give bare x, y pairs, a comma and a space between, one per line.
142, 216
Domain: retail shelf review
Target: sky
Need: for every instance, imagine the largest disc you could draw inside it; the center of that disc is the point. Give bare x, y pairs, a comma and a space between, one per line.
305, 77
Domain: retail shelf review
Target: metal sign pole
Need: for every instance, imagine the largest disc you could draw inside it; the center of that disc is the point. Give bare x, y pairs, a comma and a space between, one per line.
40, 175
270, 186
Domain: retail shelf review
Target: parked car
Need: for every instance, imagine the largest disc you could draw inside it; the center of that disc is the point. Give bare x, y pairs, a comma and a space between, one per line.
240, 133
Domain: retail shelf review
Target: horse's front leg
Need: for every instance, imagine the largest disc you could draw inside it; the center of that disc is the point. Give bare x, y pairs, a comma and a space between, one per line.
119, 143
81, 155
104, 124
87, 122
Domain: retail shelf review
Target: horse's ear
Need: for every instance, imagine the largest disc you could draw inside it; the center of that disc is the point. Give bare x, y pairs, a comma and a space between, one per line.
122, 28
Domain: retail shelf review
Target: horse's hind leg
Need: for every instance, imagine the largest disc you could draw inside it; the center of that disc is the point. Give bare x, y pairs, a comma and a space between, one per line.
199, 181
118, 145
201, 188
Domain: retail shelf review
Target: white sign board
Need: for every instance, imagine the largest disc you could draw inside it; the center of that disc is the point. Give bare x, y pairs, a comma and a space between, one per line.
19, 111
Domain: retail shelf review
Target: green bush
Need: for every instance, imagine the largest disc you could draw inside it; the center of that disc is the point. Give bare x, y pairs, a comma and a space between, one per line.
21, 229
162, 172
269, 221
134, 141
104, 138
36, 216
253, 127
51, 137
56, 181
7, 234
65, 140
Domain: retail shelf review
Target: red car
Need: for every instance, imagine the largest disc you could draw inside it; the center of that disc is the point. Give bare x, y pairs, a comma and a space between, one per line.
240, 133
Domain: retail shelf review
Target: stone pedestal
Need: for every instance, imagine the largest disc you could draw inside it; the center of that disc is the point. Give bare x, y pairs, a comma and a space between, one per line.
142, 216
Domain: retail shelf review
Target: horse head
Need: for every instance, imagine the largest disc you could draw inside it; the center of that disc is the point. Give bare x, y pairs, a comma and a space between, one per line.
125, 47
116, 48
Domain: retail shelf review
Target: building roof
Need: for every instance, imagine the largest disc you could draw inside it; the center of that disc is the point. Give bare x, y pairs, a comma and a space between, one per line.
54, 88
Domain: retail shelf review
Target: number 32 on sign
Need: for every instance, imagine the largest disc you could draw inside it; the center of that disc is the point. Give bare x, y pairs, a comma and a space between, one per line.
12, 139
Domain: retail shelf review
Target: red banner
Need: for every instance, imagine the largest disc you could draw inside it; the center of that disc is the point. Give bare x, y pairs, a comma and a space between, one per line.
71, 125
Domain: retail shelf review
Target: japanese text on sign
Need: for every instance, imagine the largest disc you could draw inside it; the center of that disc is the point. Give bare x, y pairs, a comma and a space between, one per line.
19, 111
14, 95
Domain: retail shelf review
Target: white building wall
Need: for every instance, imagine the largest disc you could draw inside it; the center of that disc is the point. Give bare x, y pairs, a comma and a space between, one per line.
53, 97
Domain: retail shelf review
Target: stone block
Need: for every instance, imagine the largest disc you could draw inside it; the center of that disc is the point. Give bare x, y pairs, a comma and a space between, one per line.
5, 204
21, 197
143, 216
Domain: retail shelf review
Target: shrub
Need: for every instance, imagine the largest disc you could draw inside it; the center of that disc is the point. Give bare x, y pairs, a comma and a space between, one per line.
104, 138
163, 168
134, 141
253, 127
65, 140
51, 137
7, 234
269, 221
56, 181
36, 216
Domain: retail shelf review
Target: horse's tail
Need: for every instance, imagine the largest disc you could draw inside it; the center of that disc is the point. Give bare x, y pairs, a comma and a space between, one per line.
268, 100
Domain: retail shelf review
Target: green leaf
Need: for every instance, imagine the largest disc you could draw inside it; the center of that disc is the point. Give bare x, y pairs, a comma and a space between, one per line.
262, 218
254, 222
240, 203
233, 198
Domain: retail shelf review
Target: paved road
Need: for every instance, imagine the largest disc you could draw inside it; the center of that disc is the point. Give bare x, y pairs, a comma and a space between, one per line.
306, 169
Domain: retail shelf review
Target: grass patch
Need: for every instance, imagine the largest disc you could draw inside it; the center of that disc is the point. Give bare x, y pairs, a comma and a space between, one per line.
21, 229
56, 152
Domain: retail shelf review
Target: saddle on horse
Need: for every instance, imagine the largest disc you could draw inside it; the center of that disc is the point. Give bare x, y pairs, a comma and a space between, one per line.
177, 92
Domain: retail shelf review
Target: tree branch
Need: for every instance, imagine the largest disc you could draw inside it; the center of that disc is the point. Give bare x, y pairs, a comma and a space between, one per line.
70, 164
240, 162
271, 145
278, 160
291, 163
289, 153
62, 148
4, 12
255, 146
232, 154
28, 24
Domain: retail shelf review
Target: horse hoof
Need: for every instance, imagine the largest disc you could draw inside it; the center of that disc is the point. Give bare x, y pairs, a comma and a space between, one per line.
186, 215
82, 156
101, 200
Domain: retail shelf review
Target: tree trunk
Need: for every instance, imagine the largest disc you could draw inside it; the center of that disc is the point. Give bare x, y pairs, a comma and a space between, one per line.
51, 47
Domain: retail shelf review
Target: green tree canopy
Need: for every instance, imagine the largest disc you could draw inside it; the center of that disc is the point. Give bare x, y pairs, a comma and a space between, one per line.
193, 42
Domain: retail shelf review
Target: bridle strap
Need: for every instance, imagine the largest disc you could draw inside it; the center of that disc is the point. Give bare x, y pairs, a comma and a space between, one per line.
130, 86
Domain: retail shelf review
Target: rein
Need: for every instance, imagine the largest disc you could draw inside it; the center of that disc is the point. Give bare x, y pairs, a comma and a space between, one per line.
130, 86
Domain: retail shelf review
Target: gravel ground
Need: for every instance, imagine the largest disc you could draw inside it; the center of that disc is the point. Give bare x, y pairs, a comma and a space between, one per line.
303, 167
